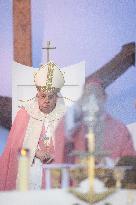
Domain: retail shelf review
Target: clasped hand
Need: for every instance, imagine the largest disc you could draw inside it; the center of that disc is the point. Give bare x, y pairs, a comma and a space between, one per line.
43, 156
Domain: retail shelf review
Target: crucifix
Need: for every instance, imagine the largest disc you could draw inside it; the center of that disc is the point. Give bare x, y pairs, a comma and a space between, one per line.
48, 47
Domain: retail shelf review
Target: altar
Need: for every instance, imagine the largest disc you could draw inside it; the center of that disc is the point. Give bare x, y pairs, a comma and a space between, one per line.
63, 197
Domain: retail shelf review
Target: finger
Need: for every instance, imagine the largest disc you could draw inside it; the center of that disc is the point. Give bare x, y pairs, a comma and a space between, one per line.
49, 161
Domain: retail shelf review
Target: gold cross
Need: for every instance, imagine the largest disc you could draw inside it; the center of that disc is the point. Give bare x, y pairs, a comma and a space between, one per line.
48, 47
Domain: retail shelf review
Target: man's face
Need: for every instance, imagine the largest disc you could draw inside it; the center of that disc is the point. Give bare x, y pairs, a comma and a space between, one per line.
46, 101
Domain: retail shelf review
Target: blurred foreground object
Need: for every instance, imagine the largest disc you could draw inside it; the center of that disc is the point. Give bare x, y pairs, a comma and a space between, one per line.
107, 129
92, 117
23, 170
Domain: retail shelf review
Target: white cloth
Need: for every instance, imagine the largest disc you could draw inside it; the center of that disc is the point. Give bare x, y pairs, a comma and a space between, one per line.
35, 175
61, 197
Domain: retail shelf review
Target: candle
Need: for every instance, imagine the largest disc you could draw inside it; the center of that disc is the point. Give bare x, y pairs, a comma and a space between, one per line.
23, 170
91, 161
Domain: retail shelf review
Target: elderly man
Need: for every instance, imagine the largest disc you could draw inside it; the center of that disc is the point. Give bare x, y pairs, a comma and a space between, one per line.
33, 128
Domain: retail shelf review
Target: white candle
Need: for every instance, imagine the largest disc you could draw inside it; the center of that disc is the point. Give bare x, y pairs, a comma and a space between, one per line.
23, 171
91, 161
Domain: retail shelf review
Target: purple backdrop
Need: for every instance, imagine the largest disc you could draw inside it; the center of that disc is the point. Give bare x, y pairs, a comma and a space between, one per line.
93, 31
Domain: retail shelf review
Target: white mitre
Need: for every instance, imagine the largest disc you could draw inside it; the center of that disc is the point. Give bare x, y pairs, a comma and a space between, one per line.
49, 77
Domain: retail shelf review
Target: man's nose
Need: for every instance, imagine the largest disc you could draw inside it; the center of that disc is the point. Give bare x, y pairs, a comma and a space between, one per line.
46, 99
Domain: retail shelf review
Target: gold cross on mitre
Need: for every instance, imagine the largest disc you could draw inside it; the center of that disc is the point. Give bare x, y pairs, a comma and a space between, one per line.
48, 47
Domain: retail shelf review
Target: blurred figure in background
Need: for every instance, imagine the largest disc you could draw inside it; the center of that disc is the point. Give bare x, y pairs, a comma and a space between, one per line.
111, 135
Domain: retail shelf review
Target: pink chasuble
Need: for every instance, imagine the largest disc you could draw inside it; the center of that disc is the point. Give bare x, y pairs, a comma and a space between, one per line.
116, 139
9, 158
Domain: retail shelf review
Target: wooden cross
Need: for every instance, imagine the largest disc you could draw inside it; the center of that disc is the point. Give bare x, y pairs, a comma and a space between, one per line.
48, 47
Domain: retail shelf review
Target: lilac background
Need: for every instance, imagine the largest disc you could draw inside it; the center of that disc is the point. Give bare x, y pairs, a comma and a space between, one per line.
89, 30
6, 48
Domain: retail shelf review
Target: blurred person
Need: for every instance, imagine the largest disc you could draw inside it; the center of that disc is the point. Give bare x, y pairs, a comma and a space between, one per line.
111, 135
